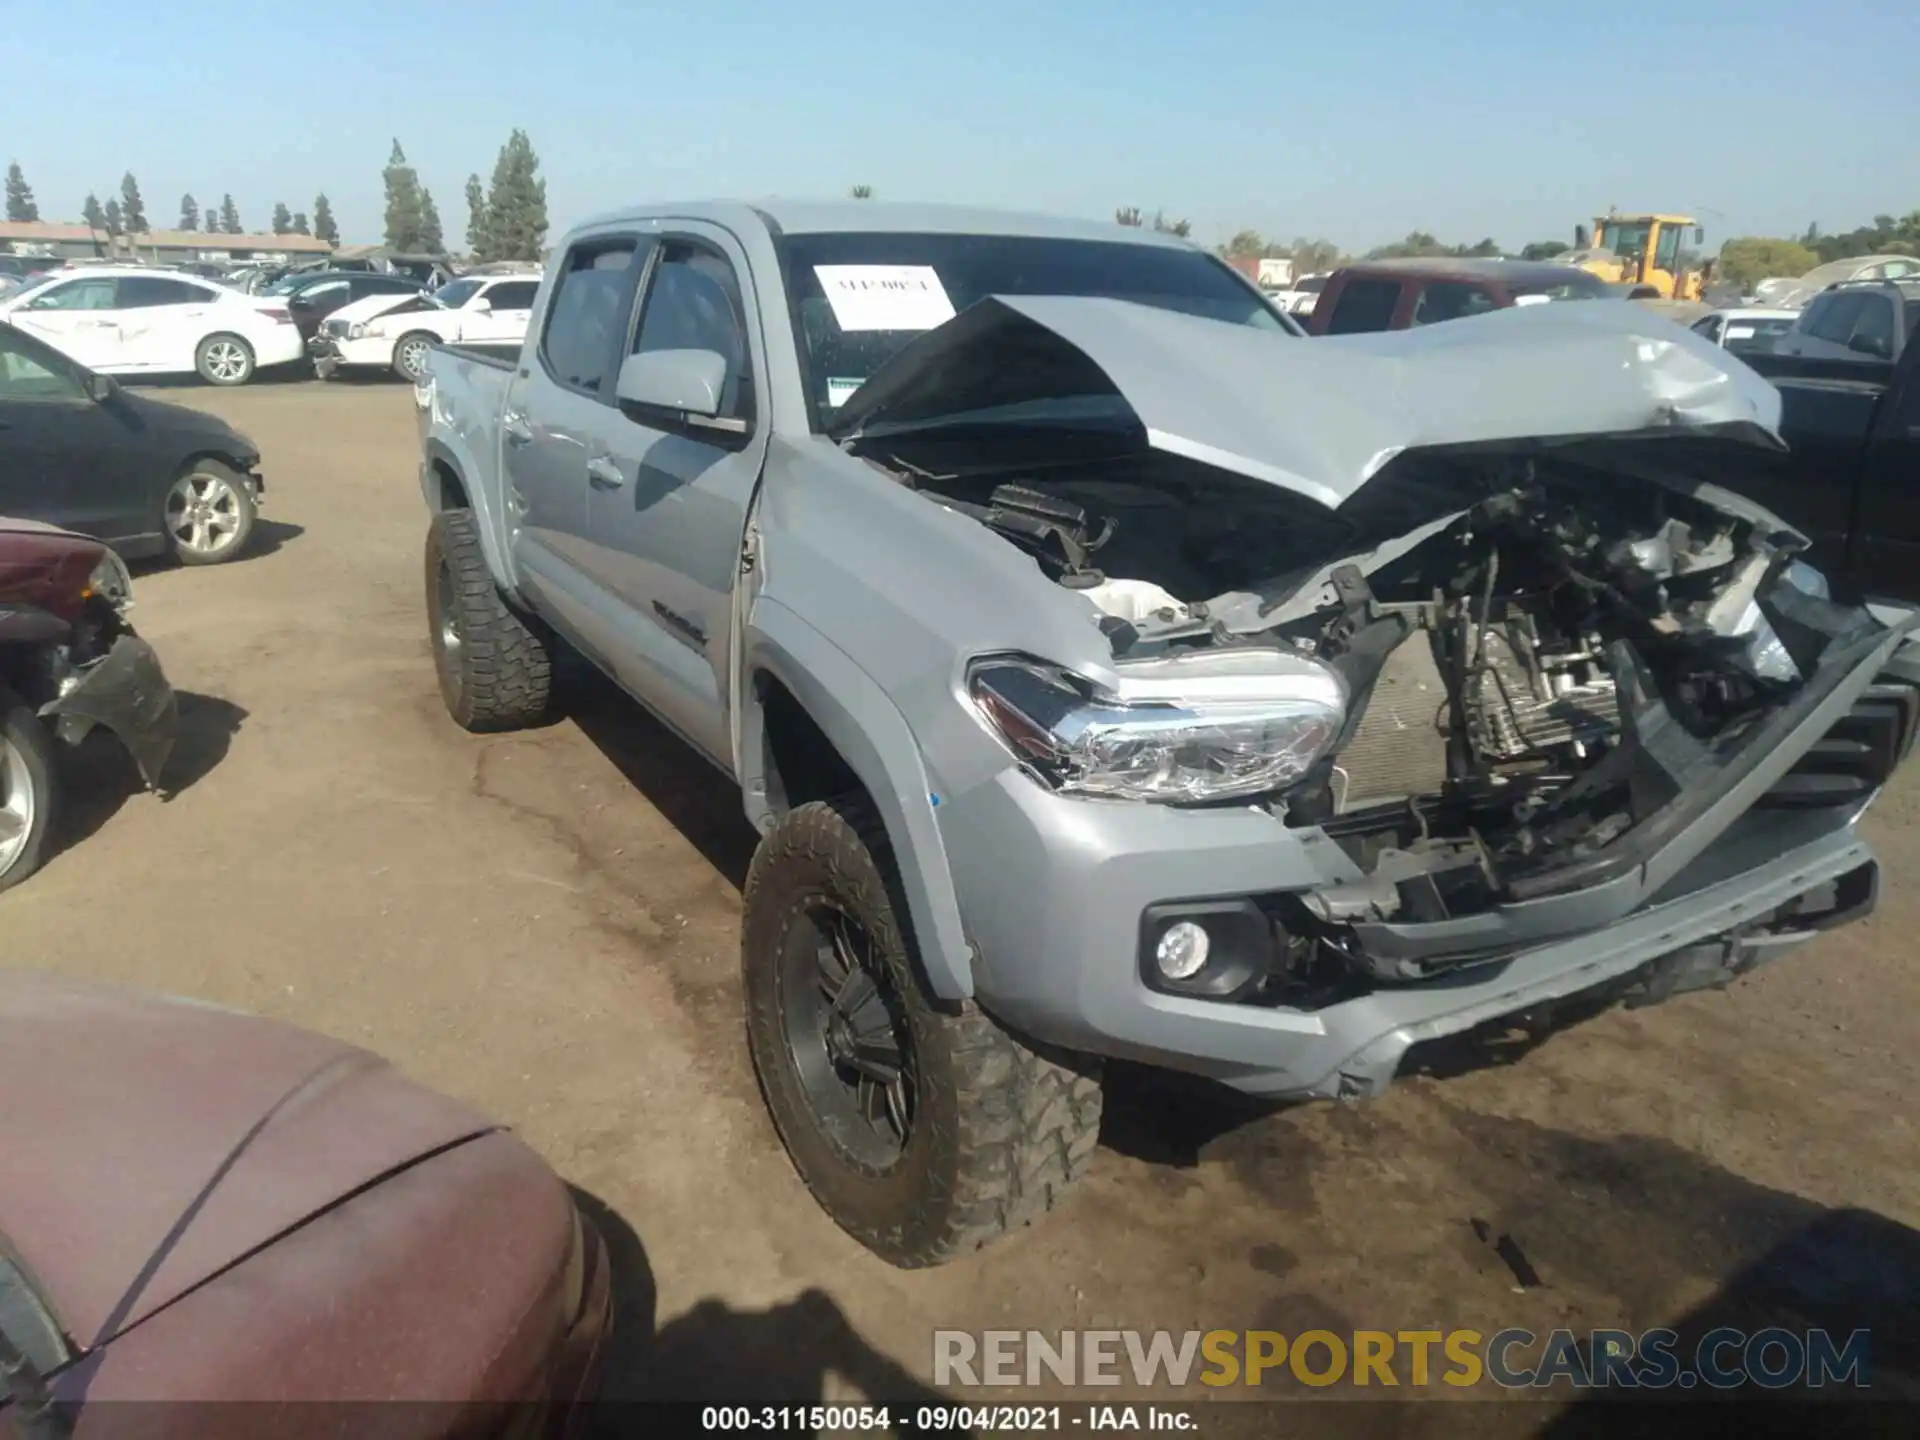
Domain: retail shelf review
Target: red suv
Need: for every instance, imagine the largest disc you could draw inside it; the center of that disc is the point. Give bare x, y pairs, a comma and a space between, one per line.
1399, 294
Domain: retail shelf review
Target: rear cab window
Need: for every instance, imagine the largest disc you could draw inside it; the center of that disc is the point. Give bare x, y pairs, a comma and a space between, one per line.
1363, 305
1451, 300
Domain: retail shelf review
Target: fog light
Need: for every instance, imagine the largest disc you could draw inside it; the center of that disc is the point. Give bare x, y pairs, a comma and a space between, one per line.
1182, 951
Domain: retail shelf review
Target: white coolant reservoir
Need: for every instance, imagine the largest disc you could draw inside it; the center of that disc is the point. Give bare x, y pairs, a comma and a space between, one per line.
1133, 600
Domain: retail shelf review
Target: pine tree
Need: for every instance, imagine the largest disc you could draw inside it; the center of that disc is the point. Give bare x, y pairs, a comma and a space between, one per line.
300, 223
116, 218
20, 202
477, 245
516, 202
431, 240
132, 210
91, 212
230, 216
404, 212
189, 213
282, 218
323, 226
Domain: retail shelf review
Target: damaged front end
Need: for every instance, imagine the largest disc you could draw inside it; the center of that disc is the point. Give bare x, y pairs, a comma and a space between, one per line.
1524, 680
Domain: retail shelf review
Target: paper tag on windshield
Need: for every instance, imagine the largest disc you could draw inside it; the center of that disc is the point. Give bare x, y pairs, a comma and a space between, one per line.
840, 390
1739, 332
1531, 299
885, 297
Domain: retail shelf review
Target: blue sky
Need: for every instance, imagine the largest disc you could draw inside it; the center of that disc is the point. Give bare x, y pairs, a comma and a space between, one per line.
1358, 123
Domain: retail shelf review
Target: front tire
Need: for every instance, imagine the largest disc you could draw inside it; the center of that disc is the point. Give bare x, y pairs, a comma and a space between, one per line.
495, 669
410, 353
924, 1134
224, 360
209, 513
28, 792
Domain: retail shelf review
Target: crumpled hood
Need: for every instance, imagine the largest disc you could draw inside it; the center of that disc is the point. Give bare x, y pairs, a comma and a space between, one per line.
1319, 417
152, 1141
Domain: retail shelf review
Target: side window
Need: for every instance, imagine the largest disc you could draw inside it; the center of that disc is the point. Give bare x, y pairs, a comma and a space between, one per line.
28, 372
1363, 305
694, 304
1873, 328
586, 322
1834, 317
1450, 300
1668, 249
90, 294
513, 295
143, 292
1709, 328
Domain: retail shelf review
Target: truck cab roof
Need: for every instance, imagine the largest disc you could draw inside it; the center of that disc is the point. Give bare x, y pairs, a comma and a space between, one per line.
814, 217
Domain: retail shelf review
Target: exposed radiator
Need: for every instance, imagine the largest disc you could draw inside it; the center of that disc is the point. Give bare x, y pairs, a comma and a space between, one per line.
1400, 747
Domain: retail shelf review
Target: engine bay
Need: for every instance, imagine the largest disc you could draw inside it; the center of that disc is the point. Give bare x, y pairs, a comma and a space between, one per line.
1543, 646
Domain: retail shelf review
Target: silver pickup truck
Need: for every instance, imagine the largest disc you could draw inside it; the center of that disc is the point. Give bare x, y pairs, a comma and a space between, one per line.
1111, 672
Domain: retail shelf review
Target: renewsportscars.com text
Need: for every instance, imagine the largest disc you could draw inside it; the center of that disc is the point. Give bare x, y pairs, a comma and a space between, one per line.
1725, 1359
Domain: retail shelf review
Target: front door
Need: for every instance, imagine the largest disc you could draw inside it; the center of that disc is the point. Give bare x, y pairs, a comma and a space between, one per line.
78, 318
668, 496
65, 458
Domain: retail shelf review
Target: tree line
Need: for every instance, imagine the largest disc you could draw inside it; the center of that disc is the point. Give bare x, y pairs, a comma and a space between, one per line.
125, 213
506, 220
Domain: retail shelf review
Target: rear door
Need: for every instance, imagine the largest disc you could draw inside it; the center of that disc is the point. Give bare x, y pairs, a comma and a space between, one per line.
65, 458
1363, 304
77, 317
509, 307
668, 495
161, 320
558, 405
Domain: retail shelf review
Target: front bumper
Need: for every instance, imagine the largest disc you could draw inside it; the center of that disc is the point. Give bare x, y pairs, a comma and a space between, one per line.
124, 691
332, 353
1053, 890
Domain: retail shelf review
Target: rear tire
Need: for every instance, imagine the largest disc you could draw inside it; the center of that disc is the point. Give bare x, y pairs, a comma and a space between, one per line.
224, 360
495, 668
410, 353
994, 1132
28, 789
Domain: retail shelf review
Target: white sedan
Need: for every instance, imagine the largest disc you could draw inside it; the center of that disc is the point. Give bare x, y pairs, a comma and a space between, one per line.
131, 321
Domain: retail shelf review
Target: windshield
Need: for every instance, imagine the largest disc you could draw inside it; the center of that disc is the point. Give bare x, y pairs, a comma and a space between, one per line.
285, 285
889, 288
455, 295
1625, 238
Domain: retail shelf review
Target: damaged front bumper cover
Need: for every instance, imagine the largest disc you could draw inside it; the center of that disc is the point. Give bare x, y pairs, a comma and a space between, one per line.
1600, 890
126, 692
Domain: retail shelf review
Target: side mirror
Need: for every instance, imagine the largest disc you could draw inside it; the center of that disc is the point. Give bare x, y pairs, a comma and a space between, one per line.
689, 381
101, 388
482, 306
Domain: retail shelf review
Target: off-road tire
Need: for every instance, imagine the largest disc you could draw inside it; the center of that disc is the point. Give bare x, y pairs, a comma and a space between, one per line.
1000, 1130
203, 362
499, 676
403, 346
32, 740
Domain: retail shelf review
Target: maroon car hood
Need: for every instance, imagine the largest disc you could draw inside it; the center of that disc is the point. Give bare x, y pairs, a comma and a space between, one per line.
150, 1141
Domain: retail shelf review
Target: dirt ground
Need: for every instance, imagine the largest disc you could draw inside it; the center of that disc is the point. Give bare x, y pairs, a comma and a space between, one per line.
547, 926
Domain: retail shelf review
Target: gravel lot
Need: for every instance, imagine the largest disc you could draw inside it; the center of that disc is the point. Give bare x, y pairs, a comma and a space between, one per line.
546, 925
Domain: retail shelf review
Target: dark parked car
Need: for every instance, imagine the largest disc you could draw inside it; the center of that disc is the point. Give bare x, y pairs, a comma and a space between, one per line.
313, 297
1398, 294
221, 1208
68, 662
149, 478
1847, 480
1870, 319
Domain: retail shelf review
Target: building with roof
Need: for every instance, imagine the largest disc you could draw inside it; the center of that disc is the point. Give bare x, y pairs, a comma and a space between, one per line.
81, 242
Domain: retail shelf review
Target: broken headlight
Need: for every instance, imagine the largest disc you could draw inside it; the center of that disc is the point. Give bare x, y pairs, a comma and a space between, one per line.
111, 582
1207, 726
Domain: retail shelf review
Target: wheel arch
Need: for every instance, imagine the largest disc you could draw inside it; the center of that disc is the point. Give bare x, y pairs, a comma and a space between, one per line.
445, 484
811, 718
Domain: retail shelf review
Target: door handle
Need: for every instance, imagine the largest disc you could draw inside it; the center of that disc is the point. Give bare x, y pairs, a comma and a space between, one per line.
516, 430
604, 473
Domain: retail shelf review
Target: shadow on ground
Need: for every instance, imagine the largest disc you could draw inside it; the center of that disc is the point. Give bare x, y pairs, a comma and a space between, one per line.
716, 1354
98, 775
693, 797
268, 536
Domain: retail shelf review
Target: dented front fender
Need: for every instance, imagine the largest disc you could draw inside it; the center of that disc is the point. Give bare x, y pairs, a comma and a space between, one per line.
124, 691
